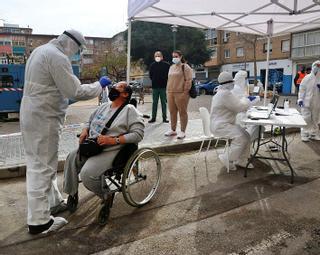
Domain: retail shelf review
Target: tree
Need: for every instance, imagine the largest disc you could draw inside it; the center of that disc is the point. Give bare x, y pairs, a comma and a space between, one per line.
251, 41
148, 37
116, 65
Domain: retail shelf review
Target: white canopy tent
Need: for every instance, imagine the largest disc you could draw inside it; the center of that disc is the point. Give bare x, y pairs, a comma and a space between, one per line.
262, 17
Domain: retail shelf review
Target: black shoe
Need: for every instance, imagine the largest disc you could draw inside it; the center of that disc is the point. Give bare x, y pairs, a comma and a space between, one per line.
72, 203
152, 121
165, 121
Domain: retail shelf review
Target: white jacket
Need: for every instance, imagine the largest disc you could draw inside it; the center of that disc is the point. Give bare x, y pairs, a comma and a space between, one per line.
224, 108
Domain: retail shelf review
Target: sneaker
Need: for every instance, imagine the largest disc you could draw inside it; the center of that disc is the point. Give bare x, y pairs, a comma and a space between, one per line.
305, 139
170, 133
152, 121
58, 222
59, 208
165, 121
225, 162
54, 224
315, 137
244, 164
181, 135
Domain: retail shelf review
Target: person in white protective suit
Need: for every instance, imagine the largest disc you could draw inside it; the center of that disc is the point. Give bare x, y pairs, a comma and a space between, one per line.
49, 82
309, 101
224, 108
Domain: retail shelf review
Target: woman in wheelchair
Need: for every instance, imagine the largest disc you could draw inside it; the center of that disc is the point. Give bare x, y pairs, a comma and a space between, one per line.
126, 128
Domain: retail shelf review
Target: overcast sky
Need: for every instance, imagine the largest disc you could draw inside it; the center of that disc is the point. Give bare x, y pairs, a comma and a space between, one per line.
101, 18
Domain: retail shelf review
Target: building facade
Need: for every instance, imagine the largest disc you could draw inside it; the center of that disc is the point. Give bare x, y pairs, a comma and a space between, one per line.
16, 45
305, 49
232, 51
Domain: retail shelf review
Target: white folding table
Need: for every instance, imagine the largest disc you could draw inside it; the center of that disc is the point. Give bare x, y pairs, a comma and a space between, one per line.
283, 119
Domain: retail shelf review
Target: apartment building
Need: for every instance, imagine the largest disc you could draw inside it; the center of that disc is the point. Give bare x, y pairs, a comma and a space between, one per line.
232, 51
305, 49
16, 45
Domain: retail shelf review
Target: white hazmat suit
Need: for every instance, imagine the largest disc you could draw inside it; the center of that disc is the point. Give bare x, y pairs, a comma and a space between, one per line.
224, 108
49, 82
309, 100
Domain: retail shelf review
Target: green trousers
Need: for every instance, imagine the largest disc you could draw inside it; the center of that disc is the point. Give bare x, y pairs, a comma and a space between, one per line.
156, 93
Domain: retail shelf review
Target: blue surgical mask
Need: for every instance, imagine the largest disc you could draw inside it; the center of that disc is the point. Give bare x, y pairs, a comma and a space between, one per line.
176, 60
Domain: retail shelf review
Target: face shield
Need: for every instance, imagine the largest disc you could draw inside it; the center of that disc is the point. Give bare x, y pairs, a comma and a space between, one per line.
73, 42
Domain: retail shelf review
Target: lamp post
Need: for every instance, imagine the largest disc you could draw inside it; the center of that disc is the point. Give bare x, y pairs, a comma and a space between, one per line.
174, 29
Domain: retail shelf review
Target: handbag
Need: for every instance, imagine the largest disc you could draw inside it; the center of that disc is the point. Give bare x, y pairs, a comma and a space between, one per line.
193, 91
90, 147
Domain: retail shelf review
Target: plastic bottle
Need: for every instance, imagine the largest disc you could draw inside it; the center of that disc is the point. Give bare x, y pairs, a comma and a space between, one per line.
286, 105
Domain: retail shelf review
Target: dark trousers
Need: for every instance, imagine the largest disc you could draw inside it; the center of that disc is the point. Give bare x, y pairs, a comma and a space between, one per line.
156, 93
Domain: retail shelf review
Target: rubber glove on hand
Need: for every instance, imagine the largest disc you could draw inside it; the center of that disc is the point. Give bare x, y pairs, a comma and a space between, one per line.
251, 98
300, 102
104, 81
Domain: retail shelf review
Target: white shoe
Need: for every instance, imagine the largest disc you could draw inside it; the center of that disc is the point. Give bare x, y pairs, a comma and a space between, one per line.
305, 139
170, 133
315, 137
244, 164
58, 222
181, 135
225, 162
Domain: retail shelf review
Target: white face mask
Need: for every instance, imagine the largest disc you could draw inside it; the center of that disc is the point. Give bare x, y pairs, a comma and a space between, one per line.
176, 60
157, 59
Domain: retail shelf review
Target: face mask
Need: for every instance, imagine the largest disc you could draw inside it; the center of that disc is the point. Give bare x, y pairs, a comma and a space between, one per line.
176, 60
113, 94
157, 59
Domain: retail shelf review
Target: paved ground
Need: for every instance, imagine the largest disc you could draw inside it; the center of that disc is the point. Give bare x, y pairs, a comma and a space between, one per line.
196, 211
201, 210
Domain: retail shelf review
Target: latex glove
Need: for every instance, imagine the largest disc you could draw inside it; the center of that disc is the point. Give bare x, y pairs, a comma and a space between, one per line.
104, 81
251, 98
300, 102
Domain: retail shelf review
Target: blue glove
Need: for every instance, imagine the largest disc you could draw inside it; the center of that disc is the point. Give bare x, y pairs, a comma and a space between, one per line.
300, 103
251, 98
104, 81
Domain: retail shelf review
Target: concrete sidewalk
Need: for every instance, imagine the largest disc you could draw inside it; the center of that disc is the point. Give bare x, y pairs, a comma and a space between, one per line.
195, 211
12, 158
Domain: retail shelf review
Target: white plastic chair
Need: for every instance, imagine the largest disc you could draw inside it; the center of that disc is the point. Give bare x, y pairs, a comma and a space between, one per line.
205, 117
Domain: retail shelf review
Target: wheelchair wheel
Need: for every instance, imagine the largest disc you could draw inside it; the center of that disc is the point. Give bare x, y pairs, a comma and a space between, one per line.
104, 214
141, 177
72, 202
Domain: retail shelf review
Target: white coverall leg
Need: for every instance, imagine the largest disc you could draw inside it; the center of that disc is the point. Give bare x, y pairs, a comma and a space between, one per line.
49, 82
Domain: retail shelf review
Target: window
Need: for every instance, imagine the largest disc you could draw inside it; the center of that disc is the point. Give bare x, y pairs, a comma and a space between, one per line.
227, 53
226, 36
265, 47
285, 46
6, 81
89, 41
7, 43
240, 52
213, 52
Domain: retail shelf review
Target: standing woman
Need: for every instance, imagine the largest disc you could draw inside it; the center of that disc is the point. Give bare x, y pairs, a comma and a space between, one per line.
179, 84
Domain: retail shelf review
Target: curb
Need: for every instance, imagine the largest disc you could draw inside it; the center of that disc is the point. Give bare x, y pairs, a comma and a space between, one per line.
20, 170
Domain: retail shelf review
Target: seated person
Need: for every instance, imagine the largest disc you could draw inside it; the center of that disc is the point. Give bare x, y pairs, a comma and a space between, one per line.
224, 108
127, 127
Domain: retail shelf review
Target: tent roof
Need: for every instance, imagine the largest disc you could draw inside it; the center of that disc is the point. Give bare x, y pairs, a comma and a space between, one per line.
247, 16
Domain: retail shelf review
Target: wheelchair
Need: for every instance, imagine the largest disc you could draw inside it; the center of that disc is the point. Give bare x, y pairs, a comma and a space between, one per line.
137, 179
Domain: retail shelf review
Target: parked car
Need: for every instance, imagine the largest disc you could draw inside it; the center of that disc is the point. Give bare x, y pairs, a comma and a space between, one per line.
207, 88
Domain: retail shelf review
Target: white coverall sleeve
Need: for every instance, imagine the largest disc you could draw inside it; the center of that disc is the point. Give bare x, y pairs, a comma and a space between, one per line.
69, 85
302, 89
236, 104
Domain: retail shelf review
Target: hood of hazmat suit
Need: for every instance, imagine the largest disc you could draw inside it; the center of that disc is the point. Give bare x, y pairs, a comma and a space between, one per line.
49, 82
225, 105
240, 84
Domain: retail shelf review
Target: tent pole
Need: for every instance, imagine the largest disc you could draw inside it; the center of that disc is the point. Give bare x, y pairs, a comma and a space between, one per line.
266, 80
129, 51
